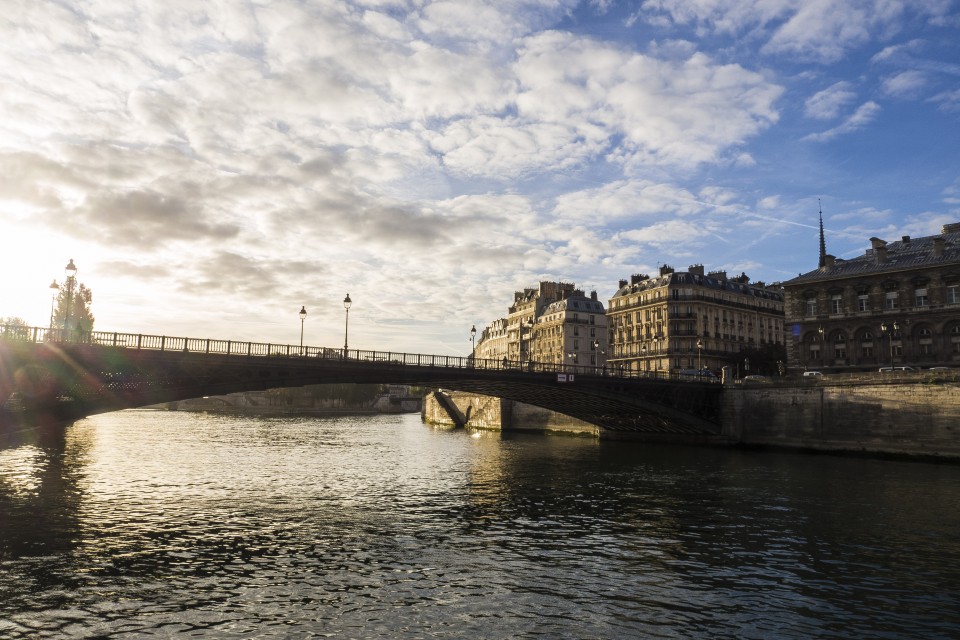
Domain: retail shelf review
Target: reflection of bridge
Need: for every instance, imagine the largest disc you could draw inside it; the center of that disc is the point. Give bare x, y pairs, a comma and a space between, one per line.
44, 374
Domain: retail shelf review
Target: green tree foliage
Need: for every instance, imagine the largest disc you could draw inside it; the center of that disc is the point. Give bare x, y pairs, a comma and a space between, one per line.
13, 321
74, 306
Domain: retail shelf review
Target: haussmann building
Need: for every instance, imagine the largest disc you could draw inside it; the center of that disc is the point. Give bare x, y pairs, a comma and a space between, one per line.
689, 320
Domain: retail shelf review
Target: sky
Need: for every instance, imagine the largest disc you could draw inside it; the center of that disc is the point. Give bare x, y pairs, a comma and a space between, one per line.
213, 165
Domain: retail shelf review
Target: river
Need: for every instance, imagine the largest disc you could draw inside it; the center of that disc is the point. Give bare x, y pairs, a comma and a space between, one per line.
163, 524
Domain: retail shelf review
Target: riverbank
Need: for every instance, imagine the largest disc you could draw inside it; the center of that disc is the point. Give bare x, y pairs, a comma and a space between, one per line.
909, 420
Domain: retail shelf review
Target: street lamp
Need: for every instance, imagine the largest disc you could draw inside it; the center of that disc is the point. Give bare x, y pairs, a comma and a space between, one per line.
885, 328
53, 296
473, 343
303, 316
746, 366
823, 347
699, 356
346, 325
71, 272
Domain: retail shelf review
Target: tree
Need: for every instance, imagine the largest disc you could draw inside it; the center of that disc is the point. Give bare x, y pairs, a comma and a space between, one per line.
13, 321
74, 306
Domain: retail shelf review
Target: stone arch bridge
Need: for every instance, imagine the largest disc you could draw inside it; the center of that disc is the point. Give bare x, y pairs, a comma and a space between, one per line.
44, 373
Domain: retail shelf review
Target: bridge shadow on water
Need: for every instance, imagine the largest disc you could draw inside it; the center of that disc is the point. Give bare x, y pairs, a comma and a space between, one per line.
45, 377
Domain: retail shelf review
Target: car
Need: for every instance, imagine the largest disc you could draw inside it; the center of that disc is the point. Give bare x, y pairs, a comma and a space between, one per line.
895, 369
812, 374
755, 378
940, 369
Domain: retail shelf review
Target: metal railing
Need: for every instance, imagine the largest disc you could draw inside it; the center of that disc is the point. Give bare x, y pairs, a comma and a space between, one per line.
139, 341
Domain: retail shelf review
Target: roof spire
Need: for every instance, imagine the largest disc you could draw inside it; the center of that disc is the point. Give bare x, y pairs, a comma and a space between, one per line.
823, 243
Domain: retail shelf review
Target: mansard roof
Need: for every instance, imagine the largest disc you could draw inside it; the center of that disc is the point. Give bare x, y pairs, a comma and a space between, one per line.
883, 257
575, 303
739, 285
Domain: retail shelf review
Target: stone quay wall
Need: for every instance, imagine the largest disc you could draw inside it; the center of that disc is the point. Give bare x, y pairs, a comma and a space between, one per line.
883, 419
487, 412
907, 419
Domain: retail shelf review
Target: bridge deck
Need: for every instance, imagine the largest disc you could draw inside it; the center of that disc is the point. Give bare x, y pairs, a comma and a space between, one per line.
80, 375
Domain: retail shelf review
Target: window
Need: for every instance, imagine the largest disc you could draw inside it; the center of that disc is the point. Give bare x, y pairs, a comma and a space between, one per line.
863, 302
811, 306
836, 303
921, 297
953, 294
893, 300
840, 350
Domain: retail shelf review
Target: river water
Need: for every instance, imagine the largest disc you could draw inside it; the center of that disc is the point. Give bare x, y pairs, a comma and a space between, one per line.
154, 524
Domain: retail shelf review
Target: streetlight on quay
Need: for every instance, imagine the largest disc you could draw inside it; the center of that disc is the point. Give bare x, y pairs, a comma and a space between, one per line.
890, 330
699, 357
346, 325
303, 316
53, 296
71, 272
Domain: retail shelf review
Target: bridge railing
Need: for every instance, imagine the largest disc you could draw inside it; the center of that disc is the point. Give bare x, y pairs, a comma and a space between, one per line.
264, 350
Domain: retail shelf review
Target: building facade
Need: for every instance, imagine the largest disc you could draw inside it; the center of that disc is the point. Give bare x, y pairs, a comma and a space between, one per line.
571, 331
690, 320
492, 344
898, 304
552, 323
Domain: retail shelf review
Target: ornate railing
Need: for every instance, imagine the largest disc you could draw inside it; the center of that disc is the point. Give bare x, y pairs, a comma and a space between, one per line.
211, 346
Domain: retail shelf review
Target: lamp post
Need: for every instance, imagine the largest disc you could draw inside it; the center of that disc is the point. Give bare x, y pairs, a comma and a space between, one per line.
303, 316
823, 347
746, 366
890, 329
473, 344
53, 296
699, 357
346, 325
598, 352
529, 325
71, 272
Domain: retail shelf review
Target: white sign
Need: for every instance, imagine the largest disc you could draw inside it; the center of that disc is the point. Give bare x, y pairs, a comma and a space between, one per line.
564, 377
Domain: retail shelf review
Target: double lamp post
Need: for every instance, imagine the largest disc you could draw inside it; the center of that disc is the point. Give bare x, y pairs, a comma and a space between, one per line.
347, 302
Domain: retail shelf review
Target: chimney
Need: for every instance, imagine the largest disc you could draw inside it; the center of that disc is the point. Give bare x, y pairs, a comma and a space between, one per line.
829, 261
906, 239
636, 278
622, 284
666, 270
951, 228
876, 243
719, 275
593, 296
938, 245
881, 253
696, 269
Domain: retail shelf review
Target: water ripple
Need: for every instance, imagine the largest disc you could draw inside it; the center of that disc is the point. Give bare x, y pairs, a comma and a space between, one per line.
153, 524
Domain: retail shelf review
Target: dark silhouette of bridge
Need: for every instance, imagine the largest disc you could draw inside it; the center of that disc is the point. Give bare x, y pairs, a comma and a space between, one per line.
47, 373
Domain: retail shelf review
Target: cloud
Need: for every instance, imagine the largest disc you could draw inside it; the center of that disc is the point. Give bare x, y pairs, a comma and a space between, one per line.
864, 115
816, 30
827, 104
905, 84
948, 101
